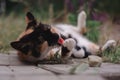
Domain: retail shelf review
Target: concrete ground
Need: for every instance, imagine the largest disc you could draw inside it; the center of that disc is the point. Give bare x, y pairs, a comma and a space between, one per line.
12, 69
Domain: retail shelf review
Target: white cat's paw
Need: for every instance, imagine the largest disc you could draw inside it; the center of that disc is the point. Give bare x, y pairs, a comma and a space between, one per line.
69, 43
109, 44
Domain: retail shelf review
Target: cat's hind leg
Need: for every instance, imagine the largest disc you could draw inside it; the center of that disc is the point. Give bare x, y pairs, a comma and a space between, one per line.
81, 22
109, 45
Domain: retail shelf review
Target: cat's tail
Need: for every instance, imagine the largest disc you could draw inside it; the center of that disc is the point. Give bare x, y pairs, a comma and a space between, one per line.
81, 23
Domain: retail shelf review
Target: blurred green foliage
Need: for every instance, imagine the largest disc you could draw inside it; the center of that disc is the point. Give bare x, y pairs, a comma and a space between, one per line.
110, 6
10, 29
20, 6
93, 31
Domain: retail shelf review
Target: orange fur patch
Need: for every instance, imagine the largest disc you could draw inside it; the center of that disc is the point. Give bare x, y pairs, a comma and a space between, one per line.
25, 33
43, 46
83, 30
94, 48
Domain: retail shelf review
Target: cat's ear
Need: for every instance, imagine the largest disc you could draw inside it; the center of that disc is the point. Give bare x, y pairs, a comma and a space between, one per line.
41, 26
29, 17
16, 45
20, 46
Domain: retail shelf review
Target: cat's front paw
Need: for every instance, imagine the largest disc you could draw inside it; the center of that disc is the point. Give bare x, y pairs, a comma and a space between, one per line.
69, 43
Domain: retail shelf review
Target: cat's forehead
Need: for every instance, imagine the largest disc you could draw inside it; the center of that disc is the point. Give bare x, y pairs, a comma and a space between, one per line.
47, 25
43, 27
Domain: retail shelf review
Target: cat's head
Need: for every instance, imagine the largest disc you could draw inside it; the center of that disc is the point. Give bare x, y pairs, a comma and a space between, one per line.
34, 41
46, 32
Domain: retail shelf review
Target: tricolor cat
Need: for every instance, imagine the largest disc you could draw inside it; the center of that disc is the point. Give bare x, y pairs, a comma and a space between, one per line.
40, 41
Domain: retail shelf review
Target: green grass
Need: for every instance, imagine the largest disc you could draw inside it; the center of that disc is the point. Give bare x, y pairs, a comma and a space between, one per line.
10, 28
93, 30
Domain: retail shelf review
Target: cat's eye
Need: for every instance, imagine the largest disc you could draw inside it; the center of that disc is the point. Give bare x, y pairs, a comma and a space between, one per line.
47, 27
53, 30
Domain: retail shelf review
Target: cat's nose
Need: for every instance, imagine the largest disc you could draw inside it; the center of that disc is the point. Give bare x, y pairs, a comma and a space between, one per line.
61, 41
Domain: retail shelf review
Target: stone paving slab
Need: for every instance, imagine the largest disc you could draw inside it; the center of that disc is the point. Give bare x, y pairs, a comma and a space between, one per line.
10, 59
25, 72
29, 70
81, 77
106, 68
13, 69
36, 77
4, 59
14, 61
5, 73
4, 70
65, 67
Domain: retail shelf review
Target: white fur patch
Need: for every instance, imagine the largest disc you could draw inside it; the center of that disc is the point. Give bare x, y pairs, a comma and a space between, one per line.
69, 43
79, 54
81, 20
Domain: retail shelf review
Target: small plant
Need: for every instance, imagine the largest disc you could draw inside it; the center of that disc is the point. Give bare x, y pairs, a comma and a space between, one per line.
78, 68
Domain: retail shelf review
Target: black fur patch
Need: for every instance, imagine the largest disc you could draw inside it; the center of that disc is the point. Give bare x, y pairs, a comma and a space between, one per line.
64, 51
86, 52
77, 47
31, 24
35, 51
51, 38
70, 36
63, 36
24, 48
